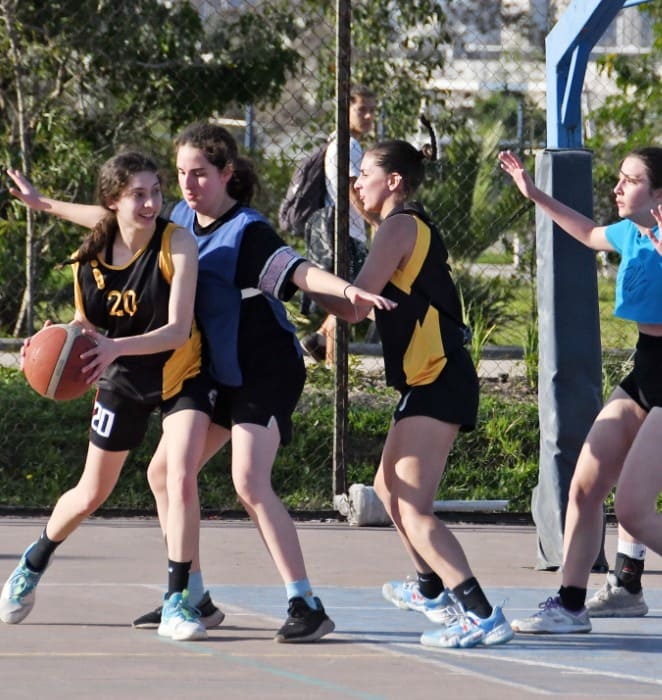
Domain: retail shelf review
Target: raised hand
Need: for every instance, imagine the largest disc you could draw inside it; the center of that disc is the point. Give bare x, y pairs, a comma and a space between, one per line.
512, 165
656, 240
25, 190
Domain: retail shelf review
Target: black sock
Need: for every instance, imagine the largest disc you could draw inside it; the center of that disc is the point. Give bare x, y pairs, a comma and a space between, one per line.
628, 572
40, 554
572, 598
430, 585
471, 596
177, 576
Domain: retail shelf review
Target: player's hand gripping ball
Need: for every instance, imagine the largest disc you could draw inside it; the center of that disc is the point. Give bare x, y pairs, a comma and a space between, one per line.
52, 363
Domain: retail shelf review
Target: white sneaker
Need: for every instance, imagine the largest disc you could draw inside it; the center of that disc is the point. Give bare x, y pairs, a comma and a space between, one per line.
553, 618
179, 620
18, 594
613, 600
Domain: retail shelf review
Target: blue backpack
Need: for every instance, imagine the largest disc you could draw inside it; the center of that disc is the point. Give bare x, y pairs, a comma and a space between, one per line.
305, 193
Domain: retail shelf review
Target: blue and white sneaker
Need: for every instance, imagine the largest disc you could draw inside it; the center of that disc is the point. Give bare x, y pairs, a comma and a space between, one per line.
407, 595
469, 630
181, 621
18, 594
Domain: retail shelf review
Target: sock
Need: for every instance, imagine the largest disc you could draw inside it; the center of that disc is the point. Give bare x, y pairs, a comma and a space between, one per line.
636, 550
301, 589
430, 584
471, 596
39, 556
196, 587
628, 571
177, 576
572, 598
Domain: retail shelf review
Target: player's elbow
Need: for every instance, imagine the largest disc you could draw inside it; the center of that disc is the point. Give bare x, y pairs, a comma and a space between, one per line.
179, 334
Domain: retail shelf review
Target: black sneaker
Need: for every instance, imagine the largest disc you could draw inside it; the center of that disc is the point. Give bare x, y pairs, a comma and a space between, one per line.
304, 624
148, 620
315, 345
210, 615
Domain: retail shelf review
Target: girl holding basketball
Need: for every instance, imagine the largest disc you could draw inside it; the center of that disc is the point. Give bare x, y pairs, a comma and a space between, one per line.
134, 278
622, 446
245, 271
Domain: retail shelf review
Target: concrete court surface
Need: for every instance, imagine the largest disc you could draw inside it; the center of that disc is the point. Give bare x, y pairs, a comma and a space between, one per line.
78, 643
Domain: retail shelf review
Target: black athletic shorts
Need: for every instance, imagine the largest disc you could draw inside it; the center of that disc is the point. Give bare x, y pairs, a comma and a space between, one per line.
119, 423
451, 398
644, 383
272, 386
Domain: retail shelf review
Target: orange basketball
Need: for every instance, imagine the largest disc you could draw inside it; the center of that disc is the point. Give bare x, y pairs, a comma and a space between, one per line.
52, 363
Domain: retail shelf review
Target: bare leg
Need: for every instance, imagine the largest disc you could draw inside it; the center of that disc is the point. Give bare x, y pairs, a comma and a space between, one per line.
216, 437
412, 464
384, 494
184, 434
102, 469
598, 468
640, 484
254, 449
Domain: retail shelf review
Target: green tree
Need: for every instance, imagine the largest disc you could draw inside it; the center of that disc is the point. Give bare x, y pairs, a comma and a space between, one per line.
396, 49
83, 78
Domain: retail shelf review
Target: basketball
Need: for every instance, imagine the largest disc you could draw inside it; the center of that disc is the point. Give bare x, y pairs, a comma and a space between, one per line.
52, 364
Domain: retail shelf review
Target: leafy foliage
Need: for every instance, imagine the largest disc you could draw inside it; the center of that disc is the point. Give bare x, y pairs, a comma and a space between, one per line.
630, 118
397, 47
71, 97
45, 456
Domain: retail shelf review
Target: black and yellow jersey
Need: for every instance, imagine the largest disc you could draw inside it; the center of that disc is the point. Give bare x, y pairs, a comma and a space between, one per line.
425, 327
130, 300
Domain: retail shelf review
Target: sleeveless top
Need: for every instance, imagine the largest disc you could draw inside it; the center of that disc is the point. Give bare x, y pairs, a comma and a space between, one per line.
218, 299
132, 299
425, 327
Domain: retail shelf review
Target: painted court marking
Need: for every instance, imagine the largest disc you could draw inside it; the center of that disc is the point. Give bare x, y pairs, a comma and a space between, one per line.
619, 652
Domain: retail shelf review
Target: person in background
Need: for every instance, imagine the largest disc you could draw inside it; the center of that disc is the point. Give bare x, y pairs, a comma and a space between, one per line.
620, 448
362, 108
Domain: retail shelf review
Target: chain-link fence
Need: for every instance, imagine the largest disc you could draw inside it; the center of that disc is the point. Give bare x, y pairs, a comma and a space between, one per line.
82, 79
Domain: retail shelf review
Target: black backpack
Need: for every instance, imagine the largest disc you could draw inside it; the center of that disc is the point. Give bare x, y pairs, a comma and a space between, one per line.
305, 193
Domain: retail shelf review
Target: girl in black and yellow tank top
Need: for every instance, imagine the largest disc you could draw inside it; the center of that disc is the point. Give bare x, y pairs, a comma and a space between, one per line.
135, 280
426, 361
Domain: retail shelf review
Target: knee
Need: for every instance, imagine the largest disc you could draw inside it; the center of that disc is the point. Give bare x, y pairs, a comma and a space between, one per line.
88, 501
630, 513
585, 495
156, 477
251, 491
414, 524
382, 493
181, 486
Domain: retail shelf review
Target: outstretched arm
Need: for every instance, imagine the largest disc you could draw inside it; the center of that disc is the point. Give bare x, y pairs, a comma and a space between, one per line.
336, 295
85, 215
577, 225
